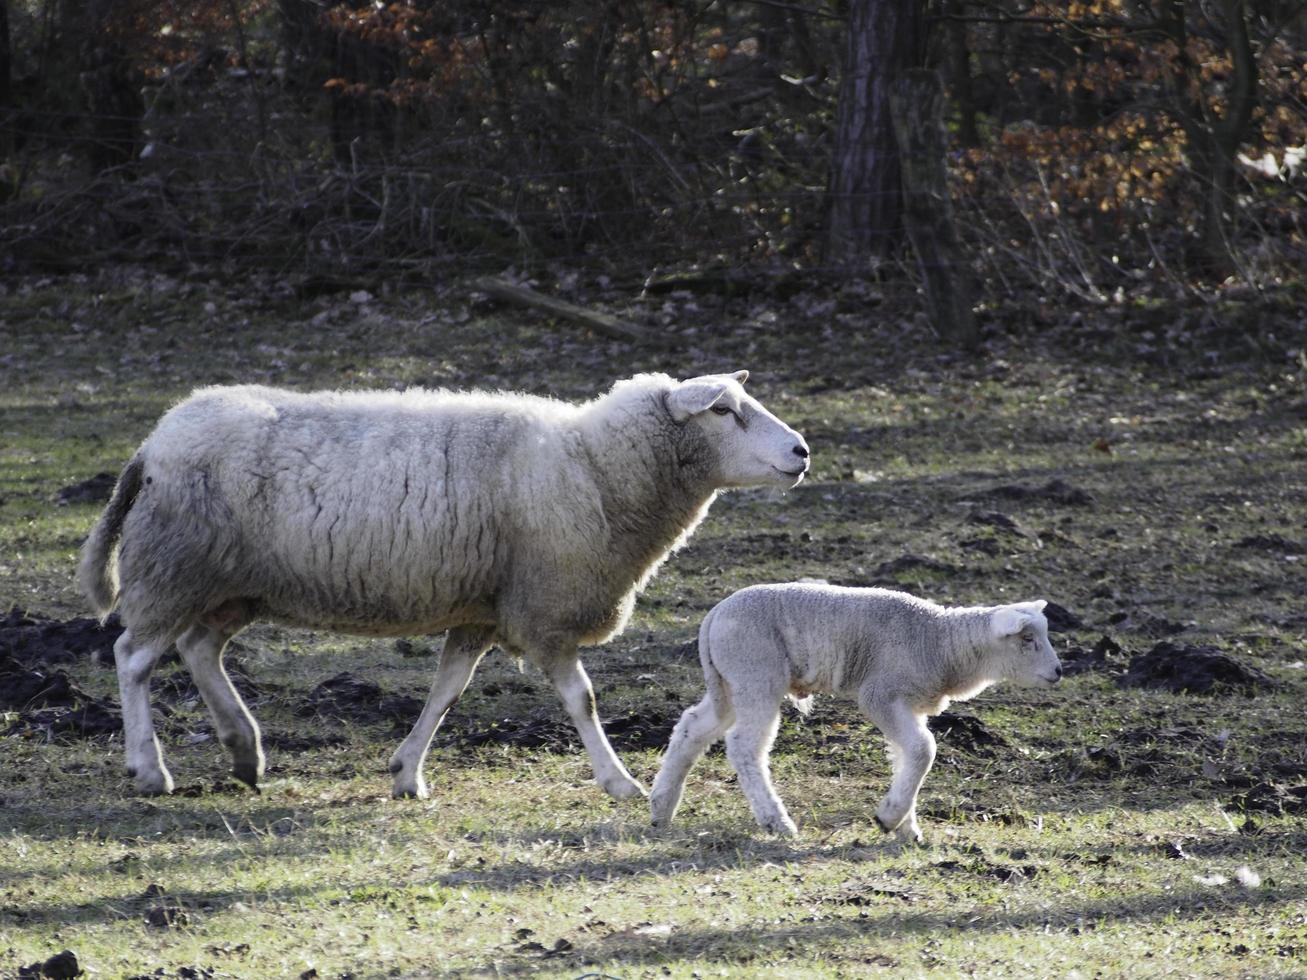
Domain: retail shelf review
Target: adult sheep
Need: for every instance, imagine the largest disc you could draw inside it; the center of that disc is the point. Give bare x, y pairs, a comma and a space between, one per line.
502, 518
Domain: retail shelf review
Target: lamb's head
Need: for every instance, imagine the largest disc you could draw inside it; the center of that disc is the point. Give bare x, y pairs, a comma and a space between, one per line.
1021, 635
751, 446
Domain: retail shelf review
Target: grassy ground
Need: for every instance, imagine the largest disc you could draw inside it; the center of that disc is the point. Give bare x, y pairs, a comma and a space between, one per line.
1090, 830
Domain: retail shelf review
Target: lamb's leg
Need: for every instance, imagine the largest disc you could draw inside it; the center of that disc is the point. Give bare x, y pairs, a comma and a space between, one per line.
573, 686
144, 754
699, 727
748, 745
464, 648
201, 650
912, 751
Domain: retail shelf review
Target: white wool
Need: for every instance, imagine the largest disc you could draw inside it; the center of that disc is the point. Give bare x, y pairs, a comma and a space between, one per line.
511, 519
902, 658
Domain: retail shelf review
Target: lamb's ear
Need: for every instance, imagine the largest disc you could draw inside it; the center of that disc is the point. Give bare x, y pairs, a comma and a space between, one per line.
694, 396
1007, 621
741, 376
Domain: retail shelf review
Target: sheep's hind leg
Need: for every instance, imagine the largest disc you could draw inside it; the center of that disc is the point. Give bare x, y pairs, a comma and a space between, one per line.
573, 686
144, 754
912, 751
201, 650
699, 727
748, 746
464, 648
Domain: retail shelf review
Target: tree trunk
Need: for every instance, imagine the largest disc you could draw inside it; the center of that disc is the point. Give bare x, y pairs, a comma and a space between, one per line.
110, 89
917, 100
864, 189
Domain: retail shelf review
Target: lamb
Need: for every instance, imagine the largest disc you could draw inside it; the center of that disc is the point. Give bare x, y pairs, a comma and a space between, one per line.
503, 519
902, 658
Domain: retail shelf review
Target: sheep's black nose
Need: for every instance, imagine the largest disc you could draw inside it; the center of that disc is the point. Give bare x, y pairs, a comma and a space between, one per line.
801, 451
1059, 672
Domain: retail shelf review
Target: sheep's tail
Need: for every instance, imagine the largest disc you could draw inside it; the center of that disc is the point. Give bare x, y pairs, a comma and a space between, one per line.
716, 684
97, 575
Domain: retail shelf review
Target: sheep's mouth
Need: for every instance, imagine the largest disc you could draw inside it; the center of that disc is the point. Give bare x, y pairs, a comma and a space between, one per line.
792, 477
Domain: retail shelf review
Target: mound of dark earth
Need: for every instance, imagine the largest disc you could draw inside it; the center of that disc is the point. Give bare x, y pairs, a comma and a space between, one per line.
94, 490
349, 698
647, 730
1192, 670
966, 732
1272, 798
48, 703
1055, 491
1105, 655
33, 639
1061, 619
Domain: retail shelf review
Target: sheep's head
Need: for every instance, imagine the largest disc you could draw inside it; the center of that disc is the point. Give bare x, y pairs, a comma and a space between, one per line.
752, 446
1021, 631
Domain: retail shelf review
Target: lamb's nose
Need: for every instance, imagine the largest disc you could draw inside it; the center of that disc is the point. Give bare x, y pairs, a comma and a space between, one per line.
801, 451
1058, 672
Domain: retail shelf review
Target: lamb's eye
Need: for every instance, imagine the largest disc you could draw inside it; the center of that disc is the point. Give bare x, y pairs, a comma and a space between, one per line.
721, 410
1027, 636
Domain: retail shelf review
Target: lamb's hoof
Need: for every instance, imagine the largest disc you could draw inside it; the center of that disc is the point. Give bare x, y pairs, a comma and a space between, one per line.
248, 773
781, 828
886, 828
624, 789
908, 834
416, 790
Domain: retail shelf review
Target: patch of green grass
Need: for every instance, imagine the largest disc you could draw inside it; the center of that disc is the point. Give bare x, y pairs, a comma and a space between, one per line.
1100, 836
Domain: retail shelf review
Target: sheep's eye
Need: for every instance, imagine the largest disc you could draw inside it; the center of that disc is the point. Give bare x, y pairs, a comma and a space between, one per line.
721, 410
1027, 636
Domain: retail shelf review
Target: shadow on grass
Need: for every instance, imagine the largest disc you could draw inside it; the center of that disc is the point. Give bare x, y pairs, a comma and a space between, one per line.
882, 919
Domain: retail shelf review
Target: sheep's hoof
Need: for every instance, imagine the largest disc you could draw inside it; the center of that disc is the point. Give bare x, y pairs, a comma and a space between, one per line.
882, 825
418, 792
624, 790
155, 784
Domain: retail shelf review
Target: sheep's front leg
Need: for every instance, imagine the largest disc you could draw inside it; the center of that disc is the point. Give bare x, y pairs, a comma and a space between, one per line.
573, 686
201, 650
912, 753
464, 648
698, 728
748, 746
144, 754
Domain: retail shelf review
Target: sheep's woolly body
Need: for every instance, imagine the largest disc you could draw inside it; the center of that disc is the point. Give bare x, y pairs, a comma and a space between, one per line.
507, 519
408, 512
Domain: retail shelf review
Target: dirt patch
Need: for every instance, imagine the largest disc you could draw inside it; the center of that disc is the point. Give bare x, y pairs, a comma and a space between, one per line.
1193, 670
965, 732
349, 698
1275, 799
95, 490
1105, 655
48, 703
32, 639
885, 572
1055, 491
1061, 619
637, 730
1270, 542
58, 967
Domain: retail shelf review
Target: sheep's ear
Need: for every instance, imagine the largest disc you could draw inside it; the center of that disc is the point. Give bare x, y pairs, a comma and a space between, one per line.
741, 376
694, 396
1007, 621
